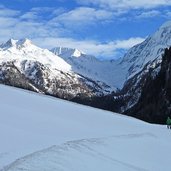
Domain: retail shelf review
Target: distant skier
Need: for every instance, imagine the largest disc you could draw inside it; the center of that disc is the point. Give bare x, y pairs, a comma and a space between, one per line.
168, 122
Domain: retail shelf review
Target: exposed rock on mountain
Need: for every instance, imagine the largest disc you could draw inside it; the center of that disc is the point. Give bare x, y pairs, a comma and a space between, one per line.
70, 74
154, 104
25, 65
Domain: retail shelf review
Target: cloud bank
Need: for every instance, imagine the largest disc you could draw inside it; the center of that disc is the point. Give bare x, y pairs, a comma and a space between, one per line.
49, 27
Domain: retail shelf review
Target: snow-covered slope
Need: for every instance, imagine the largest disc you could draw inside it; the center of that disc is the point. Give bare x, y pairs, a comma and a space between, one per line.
25, 50
44, 133
23, 53
115, 73
149, 50
89, 66
108, 75
67, 52
154, 101
25, 65
141, 61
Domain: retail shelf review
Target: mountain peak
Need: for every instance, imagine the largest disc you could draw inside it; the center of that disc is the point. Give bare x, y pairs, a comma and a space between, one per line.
162, 35
166, 24
24, 42
9, 43
67, 52
17, 43
77, 53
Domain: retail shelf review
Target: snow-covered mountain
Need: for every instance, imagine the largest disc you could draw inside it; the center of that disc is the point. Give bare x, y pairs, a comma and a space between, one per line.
71, 74
43, 133
24, 50
25, 65
90, 66
116, 73
109, 75
140, 62
155, 98
142, 59
67, 52
146, 52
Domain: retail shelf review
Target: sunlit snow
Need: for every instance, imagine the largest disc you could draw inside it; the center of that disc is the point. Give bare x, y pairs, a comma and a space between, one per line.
42, 133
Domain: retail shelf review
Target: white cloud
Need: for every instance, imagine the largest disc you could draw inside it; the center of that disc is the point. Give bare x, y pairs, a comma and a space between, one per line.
46, 35
5, 12
58, 11
149, 14
23, 25
126, 4
167, 14
126, 44
42, 9
105, 50
81, 16
7, 22
29, 16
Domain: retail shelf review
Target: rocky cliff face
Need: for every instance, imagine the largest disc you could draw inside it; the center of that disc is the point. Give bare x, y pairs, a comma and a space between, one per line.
154, 104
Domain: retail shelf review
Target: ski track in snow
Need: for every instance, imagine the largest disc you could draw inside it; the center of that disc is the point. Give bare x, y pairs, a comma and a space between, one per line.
85, 154
30, 123
57, 157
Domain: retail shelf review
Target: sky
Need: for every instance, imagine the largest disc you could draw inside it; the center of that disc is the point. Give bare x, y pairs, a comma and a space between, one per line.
103, 28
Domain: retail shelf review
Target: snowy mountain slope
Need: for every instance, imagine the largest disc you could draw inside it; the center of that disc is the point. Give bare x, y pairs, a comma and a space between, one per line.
73, 75
22, 64
24, 50
67, 52
90, 66
155, 99
139, 63
146, 52
80, 138
97, 76
116, 73
132, 89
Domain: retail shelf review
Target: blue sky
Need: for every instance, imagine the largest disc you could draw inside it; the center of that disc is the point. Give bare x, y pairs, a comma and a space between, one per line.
104, 28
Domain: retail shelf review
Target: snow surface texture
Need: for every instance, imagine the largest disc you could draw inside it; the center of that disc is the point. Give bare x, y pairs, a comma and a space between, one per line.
42, 133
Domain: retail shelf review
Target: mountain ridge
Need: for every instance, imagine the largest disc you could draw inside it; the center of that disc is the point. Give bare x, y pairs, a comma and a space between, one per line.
73, 75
